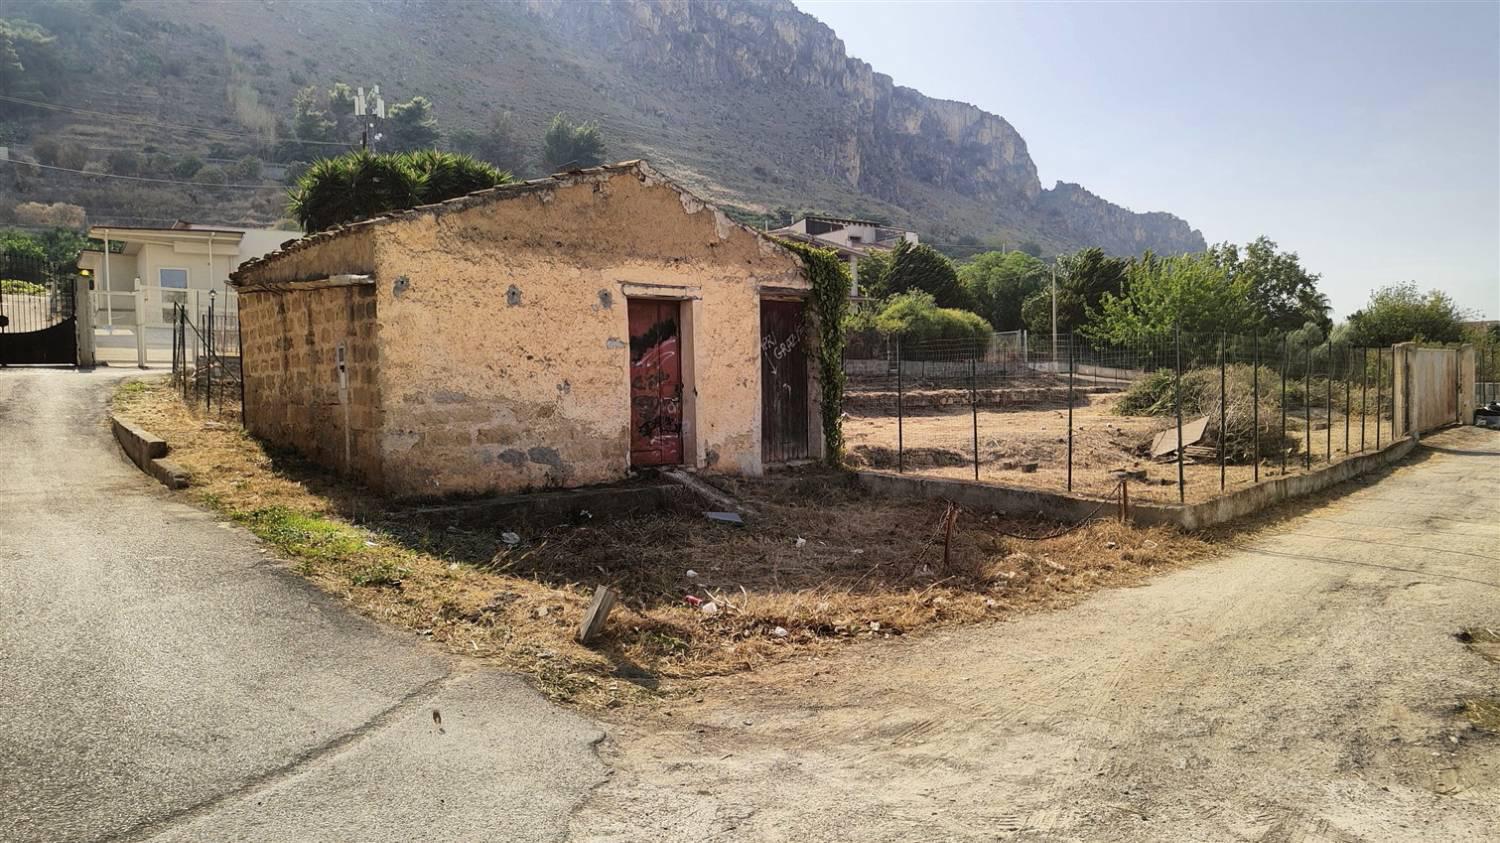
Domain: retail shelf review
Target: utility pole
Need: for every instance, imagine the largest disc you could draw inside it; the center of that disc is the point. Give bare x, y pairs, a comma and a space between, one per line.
368, 109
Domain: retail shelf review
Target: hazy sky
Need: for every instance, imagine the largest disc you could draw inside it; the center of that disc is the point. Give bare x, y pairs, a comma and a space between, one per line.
1363, 136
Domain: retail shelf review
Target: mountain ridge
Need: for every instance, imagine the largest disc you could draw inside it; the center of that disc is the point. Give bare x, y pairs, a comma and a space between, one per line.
755, 105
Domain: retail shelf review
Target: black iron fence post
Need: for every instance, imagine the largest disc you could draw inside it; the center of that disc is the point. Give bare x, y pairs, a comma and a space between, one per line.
1223, 410
1364, 393
208, 363
1328, 413
900, 441
1255, 403
1286, 362
1071, 360
1307, 431
974, 405
1177, 400
1349, 396
1379, 383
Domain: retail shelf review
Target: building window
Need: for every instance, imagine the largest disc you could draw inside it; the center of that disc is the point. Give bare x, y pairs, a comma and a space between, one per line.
175, 278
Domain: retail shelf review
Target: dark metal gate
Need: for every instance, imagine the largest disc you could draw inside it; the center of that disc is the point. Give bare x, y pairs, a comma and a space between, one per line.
38, 319
784, 426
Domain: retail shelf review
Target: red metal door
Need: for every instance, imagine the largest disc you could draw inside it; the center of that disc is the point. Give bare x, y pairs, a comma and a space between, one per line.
655, 383
784, 429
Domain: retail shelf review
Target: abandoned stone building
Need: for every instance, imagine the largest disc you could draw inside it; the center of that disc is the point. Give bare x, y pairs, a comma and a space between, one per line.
555, 332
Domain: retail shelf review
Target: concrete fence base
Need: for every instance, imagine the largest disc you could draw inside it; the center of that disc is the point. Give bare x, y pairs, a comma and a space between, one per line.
1194, 516
149, 453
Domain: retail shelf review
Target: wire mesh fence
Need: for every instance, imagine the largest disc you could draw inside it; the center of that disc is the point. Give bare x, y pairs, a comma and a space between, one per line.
1177, 418
206, 358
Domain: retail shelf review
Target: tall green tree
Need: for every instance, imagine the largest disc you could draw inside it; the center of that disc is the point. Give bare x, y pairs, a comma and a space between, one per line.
411, 125
999, 282
1191, 291
498, 142
1284, 296
568, 145
922, 267
311, 120
1403, 313
1083, 279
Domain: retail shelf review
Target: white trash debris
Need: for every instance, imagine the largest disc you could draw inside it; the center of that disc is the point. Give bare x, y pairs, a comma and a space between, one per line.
779, 632
710, 608
801, 542
691, 573
510, 538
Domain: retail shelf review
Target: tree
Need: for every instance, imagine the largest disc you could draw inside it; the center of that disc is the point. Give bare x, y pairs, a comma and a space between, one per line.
1082, 280
1161, 294
497, 143
1402, 313
921, 267
999, 282
187, 166
873, 270
411, 126
245, 171
310, 118
363, 184
30, 65
123, 162
567, 145
1283, 295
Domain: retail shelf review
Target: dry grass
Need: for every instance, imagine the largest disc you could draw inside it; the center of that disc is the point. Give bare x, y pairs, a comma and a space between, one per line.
866, 567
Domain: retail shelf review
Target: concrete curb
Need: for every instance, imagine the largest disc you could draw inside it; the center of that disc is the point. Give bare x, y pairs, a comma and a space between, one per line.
148, 451
1195, 516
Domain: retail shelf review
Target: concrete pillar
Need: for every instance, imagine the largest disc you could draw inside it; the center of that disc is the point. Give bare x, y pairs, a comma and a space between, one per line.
1401, 389
1466, 377
83, 312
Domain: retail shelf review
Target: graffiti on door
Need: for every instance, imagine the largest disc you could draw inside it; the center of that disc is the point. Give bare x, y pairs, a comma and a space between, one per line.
655, 383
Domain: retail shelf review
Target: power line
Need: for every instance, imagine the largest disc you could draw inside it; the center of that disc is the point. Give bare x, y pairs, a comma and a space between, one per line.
145, 178
149, 121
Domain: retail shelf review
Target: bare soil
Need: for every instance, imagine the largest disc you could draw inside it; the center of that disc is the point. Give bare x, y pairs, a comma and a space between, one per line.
1012, 440
818, 566
1330, 680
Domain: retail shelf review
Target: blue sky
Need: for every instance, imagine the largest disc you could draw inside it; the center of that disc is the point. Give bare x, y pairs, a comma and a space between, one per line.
1363, 136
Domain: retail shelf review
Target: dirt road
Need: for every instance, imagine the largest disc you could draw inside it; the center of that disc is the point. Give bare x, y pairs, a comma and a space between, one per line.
1304, 687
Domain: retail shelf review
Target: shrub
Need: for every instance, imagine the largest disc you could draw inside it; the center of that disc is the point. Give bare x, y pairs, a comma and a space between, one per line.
362, 184
1153, 395
123, 162
16, 287
444, 175
187, 166
915, 316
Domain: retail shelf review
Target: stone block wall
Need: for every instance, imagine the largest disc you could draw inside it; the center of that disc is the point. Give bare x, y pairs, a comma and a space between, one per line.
293, 397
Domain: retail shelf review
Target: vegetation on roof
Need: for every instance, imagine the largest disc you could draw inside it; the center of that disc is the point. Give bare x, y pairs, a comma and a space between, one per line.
360, 185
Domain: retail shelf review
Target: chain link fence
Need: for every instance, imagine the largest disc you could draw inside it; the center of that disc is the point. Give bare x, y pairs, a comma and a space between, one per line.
1078, 415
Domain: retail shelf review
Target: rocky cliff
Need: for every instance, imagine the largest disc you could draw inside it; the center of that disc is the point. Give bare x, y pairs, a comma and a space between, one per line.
878, 138
752, 103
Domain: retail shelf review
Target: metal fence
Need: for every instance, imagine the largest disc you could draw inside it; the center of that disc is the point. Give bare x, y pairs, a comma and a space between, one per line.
1179, 418
206, 358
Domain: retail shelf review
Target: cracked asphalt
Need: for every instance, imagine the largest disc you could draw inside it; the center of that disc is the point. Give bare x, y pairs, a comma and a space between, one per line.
161, 677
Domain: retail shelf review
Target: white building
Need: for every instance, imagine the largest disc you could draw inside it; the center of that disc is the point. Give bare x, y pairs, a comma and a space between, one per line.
151, 269
851, 239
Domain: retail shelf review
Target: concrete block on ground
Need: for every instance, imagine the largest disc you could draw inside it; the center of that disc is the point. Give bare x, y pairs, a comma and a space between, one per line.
171, 475
140, 445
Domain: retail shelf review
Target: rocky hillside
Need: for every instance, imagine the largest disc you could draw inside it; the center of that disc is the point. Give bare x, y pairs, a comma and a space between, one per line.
756, 104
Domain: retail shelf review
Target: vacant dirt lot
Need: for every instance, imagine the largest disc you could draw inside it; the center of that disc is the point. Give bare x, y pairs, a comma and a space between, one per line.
818, 566
1329, 681
942, 444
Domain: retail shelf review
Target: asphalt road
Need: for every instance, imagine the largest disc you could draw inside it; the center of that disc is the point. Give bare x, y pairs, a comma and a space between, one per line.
161, 677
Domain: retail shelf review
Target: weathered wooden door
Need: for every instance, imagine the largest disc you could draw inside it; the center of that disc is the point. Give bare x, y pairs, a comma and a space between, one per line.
655, 383
783, 382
